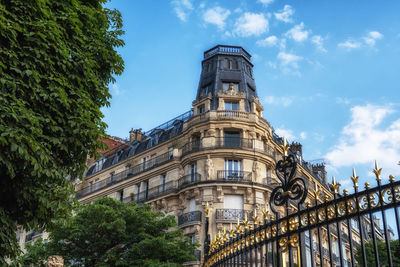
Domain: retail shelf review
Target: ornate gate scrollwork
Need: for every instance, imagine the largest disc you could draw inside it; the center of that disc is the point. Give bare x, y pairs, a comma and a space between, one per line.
291, 188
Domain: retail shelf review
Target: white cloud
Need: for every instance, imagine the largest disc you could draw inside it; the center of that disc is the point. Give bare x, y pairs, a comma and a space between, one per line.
364, 139
342, 100
266, 2
318, 41
217, 16
372, 37
285, 133
115, 90
303, 135
182, 8
251, 24
287, 59
350, 44
298, 33
368, 40
268, 42
285, 14
281, 101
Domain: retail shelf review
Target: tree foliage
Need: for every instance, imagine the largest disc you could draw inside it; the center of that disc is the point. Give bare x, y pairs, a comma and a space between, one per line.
111, 233
382, 252
56, 61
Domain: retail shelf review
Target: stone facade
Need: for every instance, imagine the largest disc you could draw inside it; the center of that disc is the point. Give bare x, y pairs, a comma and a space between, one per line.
225, 156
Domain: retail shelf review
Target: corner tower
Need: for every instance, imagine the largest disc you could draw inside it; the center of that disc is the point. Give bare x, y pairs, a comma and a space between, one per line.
227, 70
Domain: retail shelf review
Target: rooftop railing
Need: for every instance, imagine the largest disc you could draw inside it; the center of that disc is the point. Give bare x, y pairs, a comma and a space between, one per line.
227, 50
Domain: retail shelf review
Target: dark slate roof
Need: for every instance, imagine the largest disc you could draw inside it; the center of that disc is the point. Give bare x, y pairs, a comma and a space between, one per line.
155, 136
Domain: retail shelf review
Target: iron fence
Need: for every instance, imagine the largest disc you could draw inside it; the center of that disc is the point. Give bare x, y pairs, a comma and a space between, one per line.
282, 235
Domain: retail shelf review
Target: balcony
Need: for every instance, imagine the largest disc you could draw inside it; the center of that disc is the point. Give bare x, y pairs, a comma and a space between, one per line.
234, 115
189, 218
153, 192
231, 214
189, 179
121, 176
234, 142
236, 176
191, 147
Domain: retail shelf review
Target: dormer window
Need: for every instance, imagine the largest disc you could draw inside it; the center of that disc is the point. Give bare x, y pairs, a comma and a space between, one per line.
231, 105
205, 89
227, 85
201, 109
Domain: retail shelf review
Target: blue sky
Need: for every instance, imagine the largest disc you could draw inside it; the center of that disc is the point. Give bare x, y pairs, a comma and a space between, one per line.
327, 72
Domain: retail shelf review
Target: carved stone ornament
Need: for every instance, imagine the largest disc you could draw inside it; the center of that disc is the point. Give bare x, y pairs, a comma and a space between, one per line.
55, 261
209, 168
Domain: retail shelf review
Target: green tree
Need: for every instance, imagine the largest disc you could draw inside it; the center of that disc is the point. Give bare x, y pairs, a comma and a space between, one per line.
36, 254
382, 251
108, 232
57, 59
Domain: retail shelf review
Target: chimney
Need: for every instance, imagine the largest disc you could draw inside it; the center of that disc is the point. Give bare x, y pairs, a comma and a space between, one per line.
297, 147
320, 167
136, 135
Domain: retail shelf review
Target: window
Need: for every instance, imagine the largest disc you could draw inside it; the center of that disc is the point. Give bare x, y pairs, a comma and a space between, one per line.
205, 90
226, 86
144, 163
138, 192
170, 152
163, 182
354, 224
233, 169
201, 109
193, 171
153, 160
120, 195
192, 205
233, 202
231, 139
231, 105
111, 177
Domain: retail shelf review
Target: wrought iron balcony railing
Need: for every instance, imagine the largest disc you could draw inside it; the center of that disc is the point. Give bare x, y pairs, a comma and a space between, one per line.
189, 179
189, 217
132, 171
191, 147
231, 214
153, 192
230, 175
234, 142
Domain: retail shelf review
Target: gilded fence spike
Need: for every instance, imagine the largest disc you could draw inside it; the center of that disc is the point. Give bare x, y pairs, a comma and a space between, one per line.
207, 209
255, 217
285, 147
334, 185
366, 185
308, 204
345, 192
354, 178
316, 192
391, 178
377, 172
